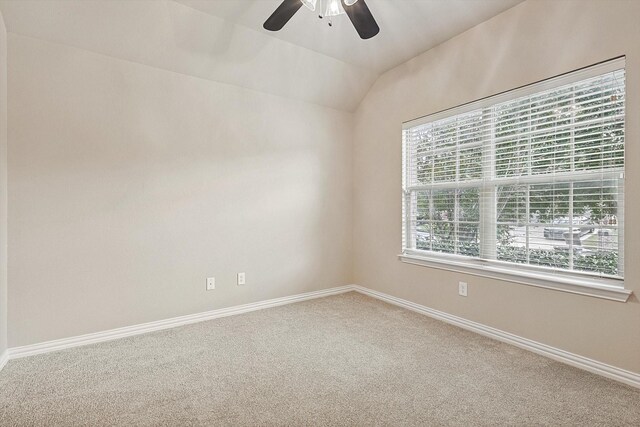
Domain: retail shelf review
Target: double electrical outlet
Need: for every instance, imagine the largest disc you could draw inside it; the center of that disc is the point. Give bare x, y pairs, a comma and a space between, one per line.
211, 281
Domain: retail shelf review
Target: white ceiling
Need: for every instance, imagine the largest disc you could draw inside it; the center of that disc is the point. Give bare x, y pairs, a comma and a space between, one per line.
223, 40
407, 27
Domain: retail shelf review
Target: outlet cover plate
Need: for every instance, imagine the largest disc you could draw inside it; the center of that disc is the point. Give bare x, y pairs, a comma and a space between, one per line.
462, 288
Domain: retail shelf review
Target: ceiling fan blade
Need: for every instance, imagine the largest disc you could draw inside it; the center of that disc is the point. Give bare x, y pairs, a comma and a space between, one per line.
282, 14
362, 19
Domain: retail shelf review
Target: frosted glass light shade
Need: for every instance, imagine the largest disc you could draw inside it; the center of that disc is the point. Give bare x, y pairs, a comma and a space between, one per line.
311, 4
334, 7
349, 2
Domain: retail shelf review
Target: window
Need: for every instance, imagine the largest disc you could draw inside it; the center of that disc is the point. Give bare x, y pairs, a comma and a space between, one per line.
531, 180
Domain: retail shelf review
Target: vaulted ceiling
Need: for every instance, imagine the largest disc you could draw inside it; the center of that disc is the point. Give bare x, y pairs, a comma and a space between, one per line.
223, 40
408, 27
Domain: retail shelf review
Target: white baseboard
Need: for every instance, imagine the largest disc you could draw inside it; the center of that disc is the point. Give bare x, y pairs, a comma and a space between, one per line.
112, 334
624, 376
4, 358
593, 366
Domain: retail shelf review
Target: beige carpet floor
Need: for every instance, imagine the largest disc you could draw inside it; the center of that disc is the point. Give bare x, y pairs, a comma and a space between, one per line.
341, 360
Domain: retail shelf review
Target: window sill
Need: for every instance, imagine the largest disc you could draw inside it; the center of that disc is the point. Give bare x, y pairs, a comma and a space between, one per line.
598, 288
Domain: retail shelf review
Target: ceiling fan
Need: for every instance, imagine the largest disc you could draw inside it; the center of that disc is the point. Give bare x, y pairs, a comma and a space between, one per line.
357, 11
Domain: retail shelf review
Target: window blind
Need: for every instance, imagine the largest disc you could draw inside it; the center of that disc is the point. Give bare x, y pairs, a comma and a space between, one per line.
532, 177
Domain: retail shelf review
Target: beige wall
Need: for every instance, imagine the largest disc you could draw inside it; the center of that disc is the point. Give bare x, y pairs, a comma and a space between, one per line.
532, 41
3, 186
129, 185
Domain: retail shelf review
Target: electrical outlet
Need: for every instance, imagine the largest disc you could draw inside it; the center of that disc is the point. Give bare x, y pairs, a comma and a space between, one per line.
462, 288
241, 279
211, 283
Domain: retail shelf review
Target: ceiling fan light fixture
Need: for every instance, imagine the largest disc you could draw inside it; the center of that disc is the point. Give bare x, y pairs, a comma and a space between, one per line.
311, 4
334, 8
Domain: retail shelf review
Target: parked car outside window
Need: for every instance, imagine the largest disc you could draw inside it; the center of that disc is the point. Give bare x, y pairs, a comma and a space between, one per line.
581, 225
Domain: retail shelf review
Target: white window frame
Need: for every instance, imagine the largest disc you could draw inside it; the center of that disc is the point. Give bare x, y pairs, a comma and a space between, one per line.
568, 281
